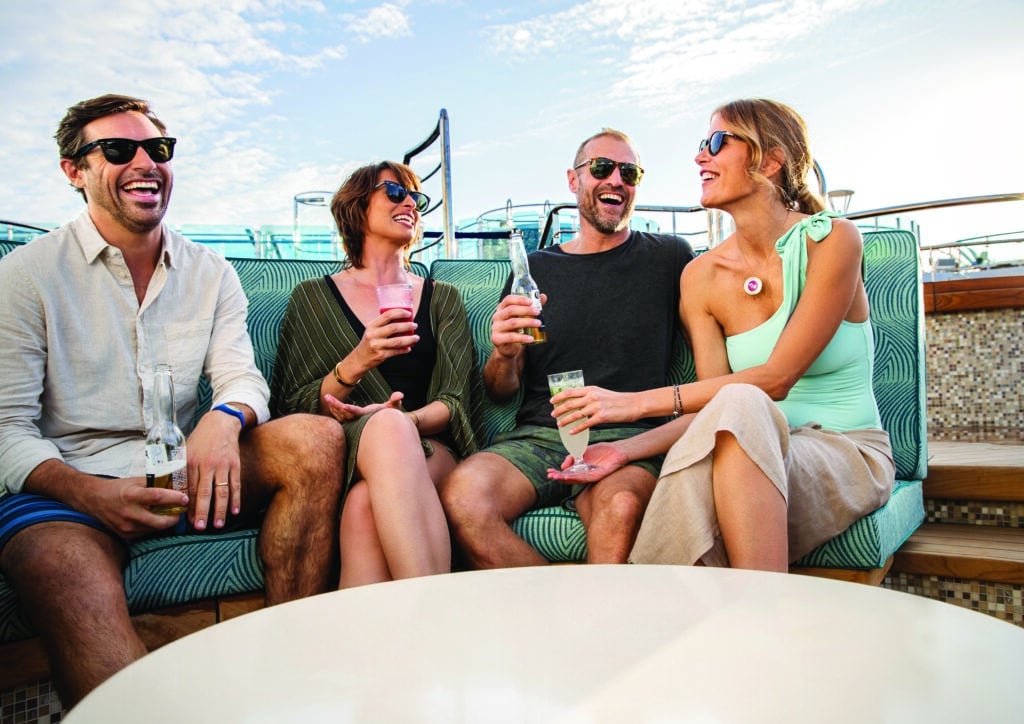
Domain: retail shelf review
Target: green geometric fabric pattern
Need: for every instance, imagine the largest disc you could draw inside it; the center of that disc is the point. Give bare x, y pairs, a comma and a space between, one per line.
176, 569
480, 282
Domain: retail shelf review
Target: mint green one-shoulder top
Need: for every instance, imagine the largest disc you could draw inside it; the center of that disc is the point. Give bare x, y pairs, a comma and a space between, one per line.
836, 390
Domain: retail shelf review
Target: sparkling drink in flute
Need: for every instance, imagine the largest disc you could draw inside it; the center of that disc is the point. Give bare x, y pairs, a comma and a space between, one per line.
575, 444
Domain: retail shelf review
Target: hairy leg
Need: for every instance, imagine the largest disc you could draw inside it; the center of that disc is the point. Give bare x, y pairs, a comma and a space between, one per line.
294, 465
481, 497
69, 582
409, 520
611, 511
751, 512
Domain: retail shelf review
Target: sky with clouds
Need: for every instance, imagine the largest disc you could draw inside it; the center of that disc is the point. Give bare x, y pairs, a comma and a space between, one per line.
906, 100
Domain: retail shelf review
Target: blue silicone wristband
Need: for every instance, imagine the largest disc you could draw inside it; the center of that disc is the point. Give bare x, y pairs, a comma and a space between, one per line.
237, 414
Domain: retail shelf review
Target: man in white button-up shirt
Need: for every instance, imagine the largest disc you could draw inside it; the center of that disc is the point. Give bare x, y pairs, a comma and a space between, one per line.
86, 314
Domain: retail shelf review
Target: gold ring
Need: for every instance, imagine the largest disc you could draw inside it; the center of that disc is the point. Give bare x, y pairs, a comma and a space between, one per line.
221, 484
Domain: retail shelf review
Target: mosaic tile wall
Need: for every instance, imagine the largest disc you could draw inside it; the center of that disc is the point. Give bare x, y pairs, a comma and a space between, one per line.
975, 365
1000, 514
1002, 600
36, 703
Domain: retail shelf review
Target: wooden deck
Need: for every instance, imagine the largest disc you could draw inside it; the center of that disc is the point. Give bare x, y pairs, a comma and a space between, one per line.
973, 471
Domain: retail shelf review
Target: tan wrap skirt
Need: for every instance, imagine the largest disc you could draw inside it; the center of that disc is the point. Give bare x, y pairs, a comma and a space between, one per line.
828, 479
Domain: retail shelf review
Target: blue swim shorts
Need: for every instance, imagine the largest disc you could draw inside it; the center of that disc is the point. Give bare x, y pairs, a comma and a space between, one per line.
20, 510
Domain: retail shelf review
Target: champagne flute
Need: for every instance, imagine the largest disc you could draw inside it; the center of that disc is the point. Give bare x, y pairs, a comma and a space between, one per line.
575, 444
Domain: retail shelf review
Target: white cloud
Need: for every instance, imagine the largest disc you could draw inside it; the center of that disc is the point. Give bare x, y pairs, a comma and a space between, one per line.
204, 65
657, 49
384, 21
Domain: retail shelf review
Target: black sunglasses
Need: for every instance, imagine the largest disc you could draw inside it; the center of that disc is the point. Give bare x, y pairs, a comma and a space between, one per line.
601, 168
715, 141
396, 194
120, 151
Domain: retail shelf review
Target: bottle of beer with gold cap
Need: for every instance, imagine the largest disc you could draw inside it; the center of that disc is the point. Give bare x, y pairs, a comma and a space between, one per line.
523, 284
165, 443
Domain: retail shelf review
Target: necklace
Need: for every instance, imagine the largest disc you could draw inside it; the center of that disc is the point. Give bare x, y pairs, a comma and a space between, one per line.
752, 285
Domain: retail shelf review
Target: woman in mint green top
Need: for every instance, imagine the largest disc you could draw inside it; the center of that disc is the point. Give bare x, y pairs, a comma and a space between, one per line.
778, 446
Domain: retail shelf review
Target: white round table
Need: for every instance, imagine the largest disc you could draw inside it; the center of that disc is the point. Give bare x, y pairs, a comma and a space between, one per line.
583, 644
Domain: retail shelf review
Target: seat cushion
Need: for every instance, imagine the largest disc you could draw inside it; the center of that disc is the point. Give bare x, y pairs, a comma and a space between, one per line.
555, 532
174, 570
559, 536
870, 541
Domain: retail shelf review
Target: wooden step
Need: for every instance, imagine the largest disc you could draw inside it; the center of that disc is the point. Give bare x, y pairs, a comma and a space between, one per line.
975, 471
972, 552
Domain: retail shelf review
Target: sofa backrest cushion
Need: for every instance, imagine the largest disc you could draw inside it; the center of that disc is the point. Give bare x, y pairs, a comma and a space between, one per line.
892, 274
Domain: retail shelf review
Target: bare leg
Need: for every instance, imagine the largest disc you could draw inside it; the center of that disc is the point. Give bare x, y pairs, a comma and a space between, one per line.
362, 557
751, 512
296, 464
611, 511
481, 497
69, 582
407, 513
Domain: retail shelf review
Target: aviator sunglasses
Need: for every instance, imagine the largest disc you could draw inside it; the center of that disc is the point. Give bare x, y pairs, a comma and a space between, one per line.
601, 168
715, 141
396, 194
120, 151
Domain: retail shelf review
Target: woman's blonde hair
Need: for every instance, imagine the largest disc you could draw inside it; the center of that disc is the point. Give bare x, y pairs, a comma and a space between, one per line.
766, 125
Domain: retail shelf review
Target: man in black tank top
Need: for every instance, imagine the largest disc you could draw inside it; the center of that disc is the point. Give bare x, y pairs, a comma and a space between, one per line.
611, 310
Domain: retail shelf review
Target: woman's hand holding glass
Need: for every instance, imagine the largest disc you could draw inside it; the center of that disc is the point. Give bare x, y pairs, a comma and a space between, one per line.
581, 408
389, 335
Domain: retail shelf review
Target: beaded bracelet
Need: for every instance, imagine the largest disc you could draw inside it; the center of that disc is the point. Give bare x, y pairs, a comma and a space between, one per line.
677, 402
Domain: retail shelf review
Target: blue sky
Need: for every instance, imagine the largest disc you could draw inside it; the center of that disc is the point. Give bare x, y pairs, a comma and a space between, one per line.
906, 100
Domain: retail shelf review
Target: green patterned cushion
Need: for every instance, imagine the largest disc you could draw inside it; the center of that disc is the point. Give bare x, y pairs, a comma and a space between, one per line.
480, 282
872, 539
13, 626
177, 569
892, 277
555, 532
6, 246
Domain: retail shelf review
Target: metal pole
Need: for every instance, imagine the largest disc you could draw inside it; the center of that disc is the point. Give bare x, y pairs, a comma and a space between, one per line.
448, 217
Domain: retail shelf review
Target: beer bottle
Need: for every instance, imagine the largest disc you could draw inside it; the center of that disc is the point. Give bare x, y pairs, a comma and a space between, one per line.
523, 284
165, 443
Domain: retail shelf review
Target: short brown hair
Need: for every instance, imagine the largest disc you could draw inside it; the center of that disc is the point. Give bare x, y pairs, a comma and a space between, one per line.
349, 204
69, 131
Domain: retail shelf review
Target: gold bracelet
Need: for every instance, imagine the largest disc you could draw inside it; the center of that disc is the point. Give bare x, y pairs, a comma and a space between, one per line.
677, 402
343, 383
415, 419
